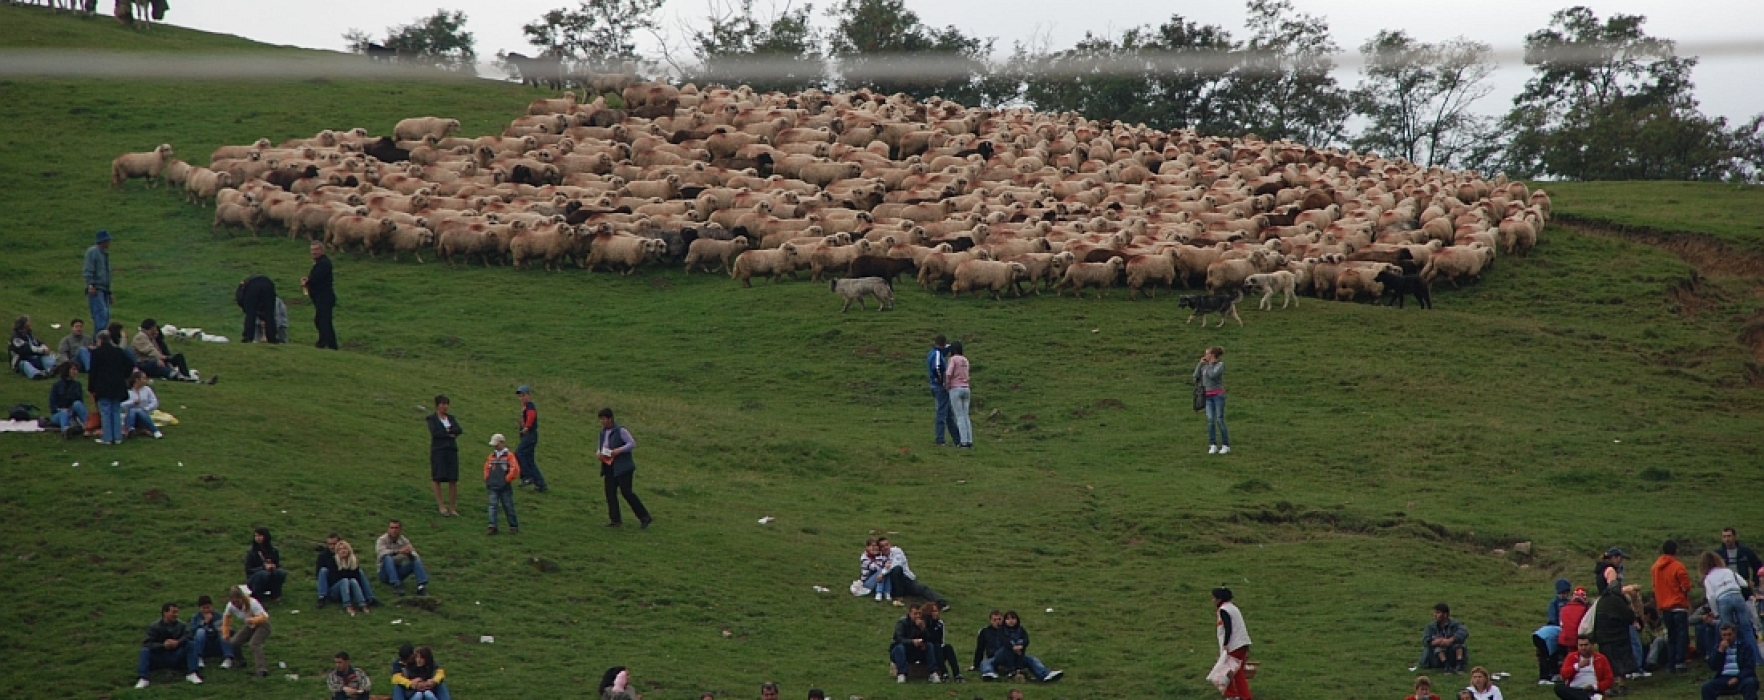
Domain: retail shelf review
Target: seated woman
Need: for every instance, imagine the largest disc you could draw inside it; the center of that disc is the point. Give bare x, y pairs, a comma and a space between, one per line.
912, 646
29, 356
66, 401
153, 357
421, 679
263, 567
1014, 655
138, 409
873, 570
348, 583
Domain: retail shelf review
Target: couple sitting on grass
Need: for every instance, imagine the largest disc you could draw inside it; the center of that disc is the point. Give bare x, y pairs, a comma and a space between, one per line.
883, 571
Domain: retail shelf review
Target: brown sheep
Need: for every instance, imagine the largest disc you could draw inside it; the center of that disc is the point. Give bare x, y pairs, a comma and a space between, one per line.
1353, 282
132, 165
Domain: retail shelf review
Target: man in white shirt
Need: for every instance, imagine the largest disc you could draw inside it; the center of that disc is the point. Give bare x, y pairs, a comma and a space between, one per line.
905, 582
399, 560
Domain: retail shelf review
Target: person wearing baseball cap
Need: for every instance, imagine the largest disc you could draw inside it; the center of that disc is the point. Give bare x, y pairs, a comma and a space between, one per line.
529, 432
97, 276
501, 469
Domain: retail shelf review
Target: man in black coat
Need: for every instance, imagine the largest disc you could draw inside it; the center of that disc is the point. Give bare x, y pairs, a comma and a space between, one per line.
109, 382
317, 284
256, 295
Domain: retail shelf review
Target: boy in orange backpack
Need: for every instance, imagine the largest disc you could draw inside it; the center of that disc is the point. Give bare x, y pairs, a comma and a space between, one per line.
501, 469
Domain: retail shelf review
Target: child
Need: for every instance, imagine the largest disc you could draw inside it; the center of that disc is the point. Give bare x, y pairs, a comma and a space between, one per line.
205, 629
501, 469
1423, 689
873, 569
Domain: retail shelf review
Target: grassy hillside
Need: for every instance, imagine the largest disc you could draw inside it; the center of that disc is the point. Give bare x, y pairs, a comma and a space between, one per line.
1381, 455
1733, 213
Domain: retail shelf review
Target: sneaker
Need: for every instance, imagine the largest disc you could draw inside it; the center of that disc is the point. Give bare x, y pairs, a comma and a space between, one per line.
1052, 676
1596, 696
157, 435
898, 679
1644, 674
399, 589
491, 531
878, 597
888, 596
263, 673
1225, 450
988, 677
960, 679
614, 523
226, 663
349, 609
322, 602
143, 683
1212, 449
935, 678
201, 664
194, 679
422, 589
1545, 681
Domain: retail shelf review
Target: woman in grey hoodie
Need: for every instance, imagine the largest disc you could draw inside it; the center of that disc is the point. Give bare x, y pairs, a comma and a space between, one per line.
1210, 374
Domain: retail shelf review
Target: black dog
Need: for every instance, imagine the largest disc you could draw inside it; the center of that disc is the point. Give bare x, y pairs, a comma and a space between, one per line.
1398, 286
1203, 304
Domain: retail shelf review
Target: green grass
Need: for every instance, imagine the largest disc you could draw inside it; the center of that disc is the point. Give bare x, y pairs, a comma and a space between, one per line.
1732, 213
1381, 455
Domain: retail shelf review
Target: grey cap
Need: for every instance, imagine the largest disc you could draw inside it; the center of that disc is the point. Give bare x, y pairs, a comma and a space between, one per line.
523, 389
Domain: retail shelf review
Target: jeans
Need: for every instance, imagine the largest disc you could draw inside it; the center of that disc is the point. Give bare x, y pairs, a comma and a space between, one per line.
110, 411
1635, 649
880, 584
394, 573
205, 638
139, 419
349, 591
160, 657
903, 654
156, 370
1006, 662
327, 590
621, 484
1717, 687
959, 398
505, 499
267, 583
99, 305
439, 693
1677, 637
1733, 610
945, 421
529, 465
39, 367
74, 415
83, 358
1216, 421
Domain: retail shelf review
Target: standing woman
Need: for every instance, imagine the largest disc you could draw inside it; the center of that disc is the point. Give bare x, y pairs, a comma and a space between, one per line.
109, 382
617, 468
1210, 374
444, 456
1234, 644
955, 378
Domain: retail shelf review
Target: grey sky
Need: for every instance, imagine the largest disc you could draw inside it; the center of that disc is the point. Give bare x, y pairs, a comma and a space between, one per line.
1726, 86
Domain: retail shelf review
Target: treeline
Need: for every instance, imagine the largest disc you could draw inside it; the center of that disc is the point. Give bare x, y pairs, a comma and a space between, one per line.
1606, 101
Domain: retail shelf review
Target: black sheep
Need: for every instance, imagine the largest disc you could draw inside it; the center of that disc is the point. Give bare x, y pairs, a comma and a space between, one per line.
386, 150
880, 266
1397, 286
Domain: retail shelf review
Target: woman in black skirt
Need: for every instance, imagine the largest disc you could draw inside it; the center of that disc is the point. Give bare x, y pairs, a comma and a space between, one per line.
444, 456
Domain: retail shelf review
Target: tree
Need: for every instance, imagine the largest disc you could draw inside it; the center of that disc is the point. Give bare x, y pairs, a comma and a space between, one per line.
1281, 87
439, 40
597, 32
1608, 102
1141, 77
879, 43
782, 53
1416, 97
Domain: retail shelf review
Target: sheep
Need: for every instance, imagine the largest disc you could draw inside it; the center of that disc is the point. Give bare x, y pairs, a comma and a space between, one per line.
230, 214
621, 249
829, 257
344, 232
407, 238
856, 288
415, 128
1458, 262
772, 263
549, 242
1398, 285
1352, 282
974, 275
882, 266
940, 266
1044, 268
1229, 274
1100, 275
1282, 281
464, 242
132, 165
703, 251
203, 184
176, 172
1145, 269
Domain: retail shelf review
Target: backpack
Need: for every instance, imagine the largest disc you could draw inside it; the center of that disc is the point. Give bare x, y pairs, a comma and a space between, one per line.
23, 411
497, 479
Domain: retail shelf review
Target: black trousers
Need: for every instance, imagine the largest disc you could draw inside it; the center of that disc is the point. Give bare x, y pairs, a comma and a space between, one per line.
321, 319
904, 587
621, 484
1548, 665
1566, 693
260, 307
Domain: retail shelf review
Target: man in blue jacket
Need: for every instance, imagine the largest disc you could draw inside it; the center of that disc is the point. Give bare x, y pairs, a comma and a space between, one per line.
935, 362
1735, 664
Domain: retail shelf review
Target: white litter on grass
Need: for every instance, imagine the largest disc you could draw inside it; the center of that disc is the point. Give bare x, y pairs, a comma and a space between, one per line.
113, 463
284, 512
486, 639
819, 589
180, 464
292, 676
400, 621
1050, 609
282, 664
477, 602
766, 520
76, 464
1616, 441
55, 326
293, 612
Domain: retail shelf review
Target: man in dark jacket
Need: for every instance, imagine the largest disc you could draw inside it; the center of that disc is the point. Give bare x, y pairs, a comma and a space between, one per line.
986, 645
256, 296
318, 286
529, 425
935, 362
167, 646
617, 468
1613, 617
1444, 642
1734, 661
911, 646
110, 385
1739, 557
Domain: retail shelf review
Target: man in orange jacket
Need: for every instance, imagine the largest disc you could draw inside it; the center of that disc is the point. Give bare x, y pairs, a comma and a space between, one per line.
1672, 587
501, 469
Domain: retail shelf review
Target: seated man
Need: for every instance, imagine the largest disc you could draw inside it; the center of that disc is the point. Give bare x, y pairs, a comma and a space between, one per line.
901, 577
76, 347
1586, 673
167, 646
1015, 654
1443, 642
987, 645
1735, 663
330, 583
66, 406
206, 639
29, 357
910, 646
152, 356
399, 560
345, 681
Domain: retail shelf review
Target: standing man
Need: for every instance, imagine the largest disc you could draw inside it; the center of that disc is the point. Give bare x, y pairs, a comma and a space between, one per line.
1672, 586
617, 468
97, 275
1234, 643
317, 286
1739, 557
167, 646
529, 426
256, 296
399, 560
935, 363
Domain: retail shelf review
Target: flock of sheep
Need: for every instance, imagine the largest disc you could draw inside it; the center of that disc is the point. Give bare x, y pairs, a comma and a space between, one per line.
861, 186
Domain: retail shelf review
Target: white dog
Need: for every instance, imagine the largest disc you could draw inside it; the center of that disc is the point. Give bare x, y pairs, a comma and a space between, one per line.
1270, 282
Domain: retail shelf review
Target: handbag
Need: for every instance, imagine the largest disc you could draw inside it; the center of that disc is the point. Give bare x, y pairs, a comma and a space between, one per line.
1200, 397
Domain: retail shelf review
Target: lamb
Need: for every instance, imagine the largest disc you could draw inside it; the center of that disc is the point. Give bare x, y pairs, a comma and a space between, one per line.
415, 128
856, 288
231, 215
1282, 281
773, 263
704, 250
1100, 275
132, 165
975, 275
1144, 269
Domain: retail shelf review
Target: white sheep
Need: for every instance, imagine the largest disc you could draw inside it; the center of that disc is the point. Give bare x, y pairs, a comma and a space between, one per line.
703, 251
856, 288
975, 275
132, 165
773, 263
415, 128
